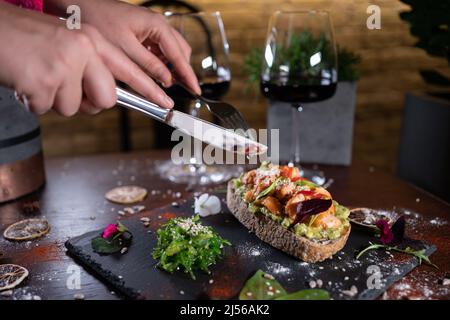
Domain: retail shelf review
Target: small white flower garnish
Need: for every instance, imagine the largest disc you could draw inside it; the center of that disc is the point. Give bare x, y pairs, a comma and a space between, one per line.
206, 205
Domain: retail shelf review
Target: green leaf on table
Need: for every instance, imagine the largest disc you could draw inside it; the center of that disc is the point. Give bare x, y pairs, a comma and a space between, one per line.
106, 246
307, 294
419, 254
261, 286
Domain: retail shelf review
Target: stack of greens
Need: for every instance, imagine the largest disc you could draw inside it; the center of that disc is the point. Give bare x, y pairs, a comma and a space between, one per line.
184, 243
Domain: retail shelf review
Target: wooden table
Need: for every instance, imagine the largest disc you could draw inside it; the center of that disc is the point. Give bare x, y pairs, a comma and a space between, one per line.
73, 201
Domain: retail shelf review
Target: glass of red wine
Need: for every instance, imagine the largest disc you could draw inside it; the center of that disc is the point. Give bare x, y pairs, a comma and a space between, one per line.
299, 66
205, 33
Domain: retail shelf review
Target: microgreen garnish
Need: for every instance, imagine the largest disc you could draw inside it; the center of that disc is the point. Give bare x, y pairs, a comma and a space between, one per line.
269, 189
263, 286
419, 254
112, 239
186, 244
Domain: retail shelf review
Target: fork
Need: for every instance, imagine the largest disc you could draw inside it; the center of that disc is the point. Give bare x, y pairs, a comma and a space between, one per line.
230, 117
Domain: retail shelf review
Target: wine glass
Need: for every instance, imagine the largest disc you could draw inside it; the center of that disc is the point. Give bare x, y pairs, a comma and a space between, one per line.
205, 33
299, 66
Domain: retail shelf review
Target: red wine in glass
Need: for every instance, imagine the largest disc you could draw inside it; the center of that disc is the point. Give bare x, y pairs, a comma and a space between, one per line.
297, 93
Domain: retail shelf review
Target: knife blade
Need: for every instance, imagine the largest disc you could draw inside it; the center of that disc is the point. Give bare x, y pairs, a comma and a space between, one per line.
197, 128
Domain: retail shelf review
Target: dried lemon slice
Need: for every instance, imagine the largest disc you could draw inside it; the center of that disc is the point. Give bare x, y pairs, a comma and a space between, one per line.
126, 194
11, 276
27, 229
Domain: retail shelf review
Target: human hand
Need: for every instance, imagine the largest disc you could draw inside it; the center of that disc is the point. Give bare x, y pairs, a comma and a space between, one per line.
43, 61
144, 36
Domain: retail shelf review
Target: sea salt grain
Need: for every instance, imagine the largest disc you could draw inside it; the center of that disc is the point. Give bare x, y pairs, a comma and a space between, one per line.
438, 222
7, 293
268, 276
352, 292
78, 296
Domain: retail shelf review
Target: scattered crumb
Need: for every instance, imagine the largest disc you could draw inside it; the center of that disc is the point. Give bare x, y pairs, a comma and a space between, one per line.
7, 293
78, 296
352, 292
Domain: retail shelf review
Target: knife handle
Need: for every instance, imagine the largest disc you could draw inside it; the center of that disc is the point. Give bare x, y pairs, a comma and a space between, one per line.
132, 101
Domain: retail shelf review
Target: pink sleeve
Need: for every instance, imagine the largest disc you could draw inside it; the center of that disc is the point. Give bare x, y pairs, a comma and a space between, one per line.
29, 4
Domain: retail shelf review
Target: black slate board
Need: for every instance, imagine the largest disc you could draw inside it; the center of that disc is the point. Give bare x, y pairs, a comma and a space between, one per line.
135, 275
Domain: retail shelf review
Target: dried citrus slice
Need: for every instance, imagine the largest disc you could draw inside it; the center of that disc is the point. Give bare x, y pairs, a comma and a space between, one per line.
126, 194
11, 276
27, 229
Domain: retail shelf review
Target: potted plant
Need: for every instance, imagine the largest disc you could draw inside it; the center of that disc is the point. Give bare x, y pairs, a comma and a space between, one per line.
424, 153
326, 126
429, 23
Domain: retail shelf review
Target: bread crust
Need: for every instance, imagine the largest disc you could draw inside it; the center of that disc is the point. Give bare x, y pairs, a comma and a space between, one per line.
279, 237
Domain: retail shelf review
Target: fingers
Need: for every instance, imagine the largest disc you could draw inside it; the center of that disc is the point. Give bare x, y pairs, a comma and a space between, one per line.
128, 72
148, 61
98, 84
88, 108
68, 98
185, 47
173, 52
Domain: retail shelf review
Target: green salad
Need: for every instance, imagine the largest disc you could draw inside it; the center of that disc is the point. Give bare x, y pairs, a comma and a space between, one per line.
185, 244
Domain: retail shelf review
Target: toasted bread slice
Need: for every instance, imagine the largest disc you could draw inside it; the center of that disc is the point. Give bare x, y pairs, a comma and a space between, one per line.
279, 237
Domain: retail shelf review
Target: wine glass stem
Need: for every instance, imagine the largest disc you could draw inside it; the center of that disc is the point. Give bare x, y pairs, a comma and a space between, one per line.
196, 160
295, 146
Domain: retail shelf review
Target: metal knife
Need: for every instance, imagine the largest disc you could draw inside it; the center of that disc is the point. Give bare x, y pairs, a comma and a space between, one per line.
197, 128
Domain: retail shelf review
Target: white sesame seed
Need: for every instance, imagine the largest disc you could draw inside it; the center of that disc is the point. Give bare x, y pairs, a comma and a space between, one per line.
181, 292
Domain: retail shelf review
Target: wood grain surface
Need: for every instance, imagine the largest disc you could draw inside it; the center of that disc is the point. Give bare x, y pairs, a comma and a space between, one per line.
73, 202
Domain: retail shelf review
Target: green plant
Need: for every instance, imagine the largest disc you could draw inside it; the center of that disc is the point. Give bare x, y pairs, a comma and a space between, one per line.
299, 53
429, 23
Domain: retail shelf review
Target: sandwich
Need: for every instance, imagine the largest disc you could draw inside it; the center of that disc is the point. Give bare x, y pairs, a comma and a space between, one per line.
289, 212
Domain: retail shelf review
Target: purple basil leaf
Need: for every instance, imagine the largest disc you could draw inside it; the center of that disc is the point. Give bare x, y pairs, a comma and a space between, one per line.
311, 207
386, 235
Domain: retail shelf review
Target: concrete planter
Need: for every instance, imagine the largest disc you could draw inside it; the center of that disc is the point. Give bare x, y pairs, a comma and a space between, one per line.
326, 127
